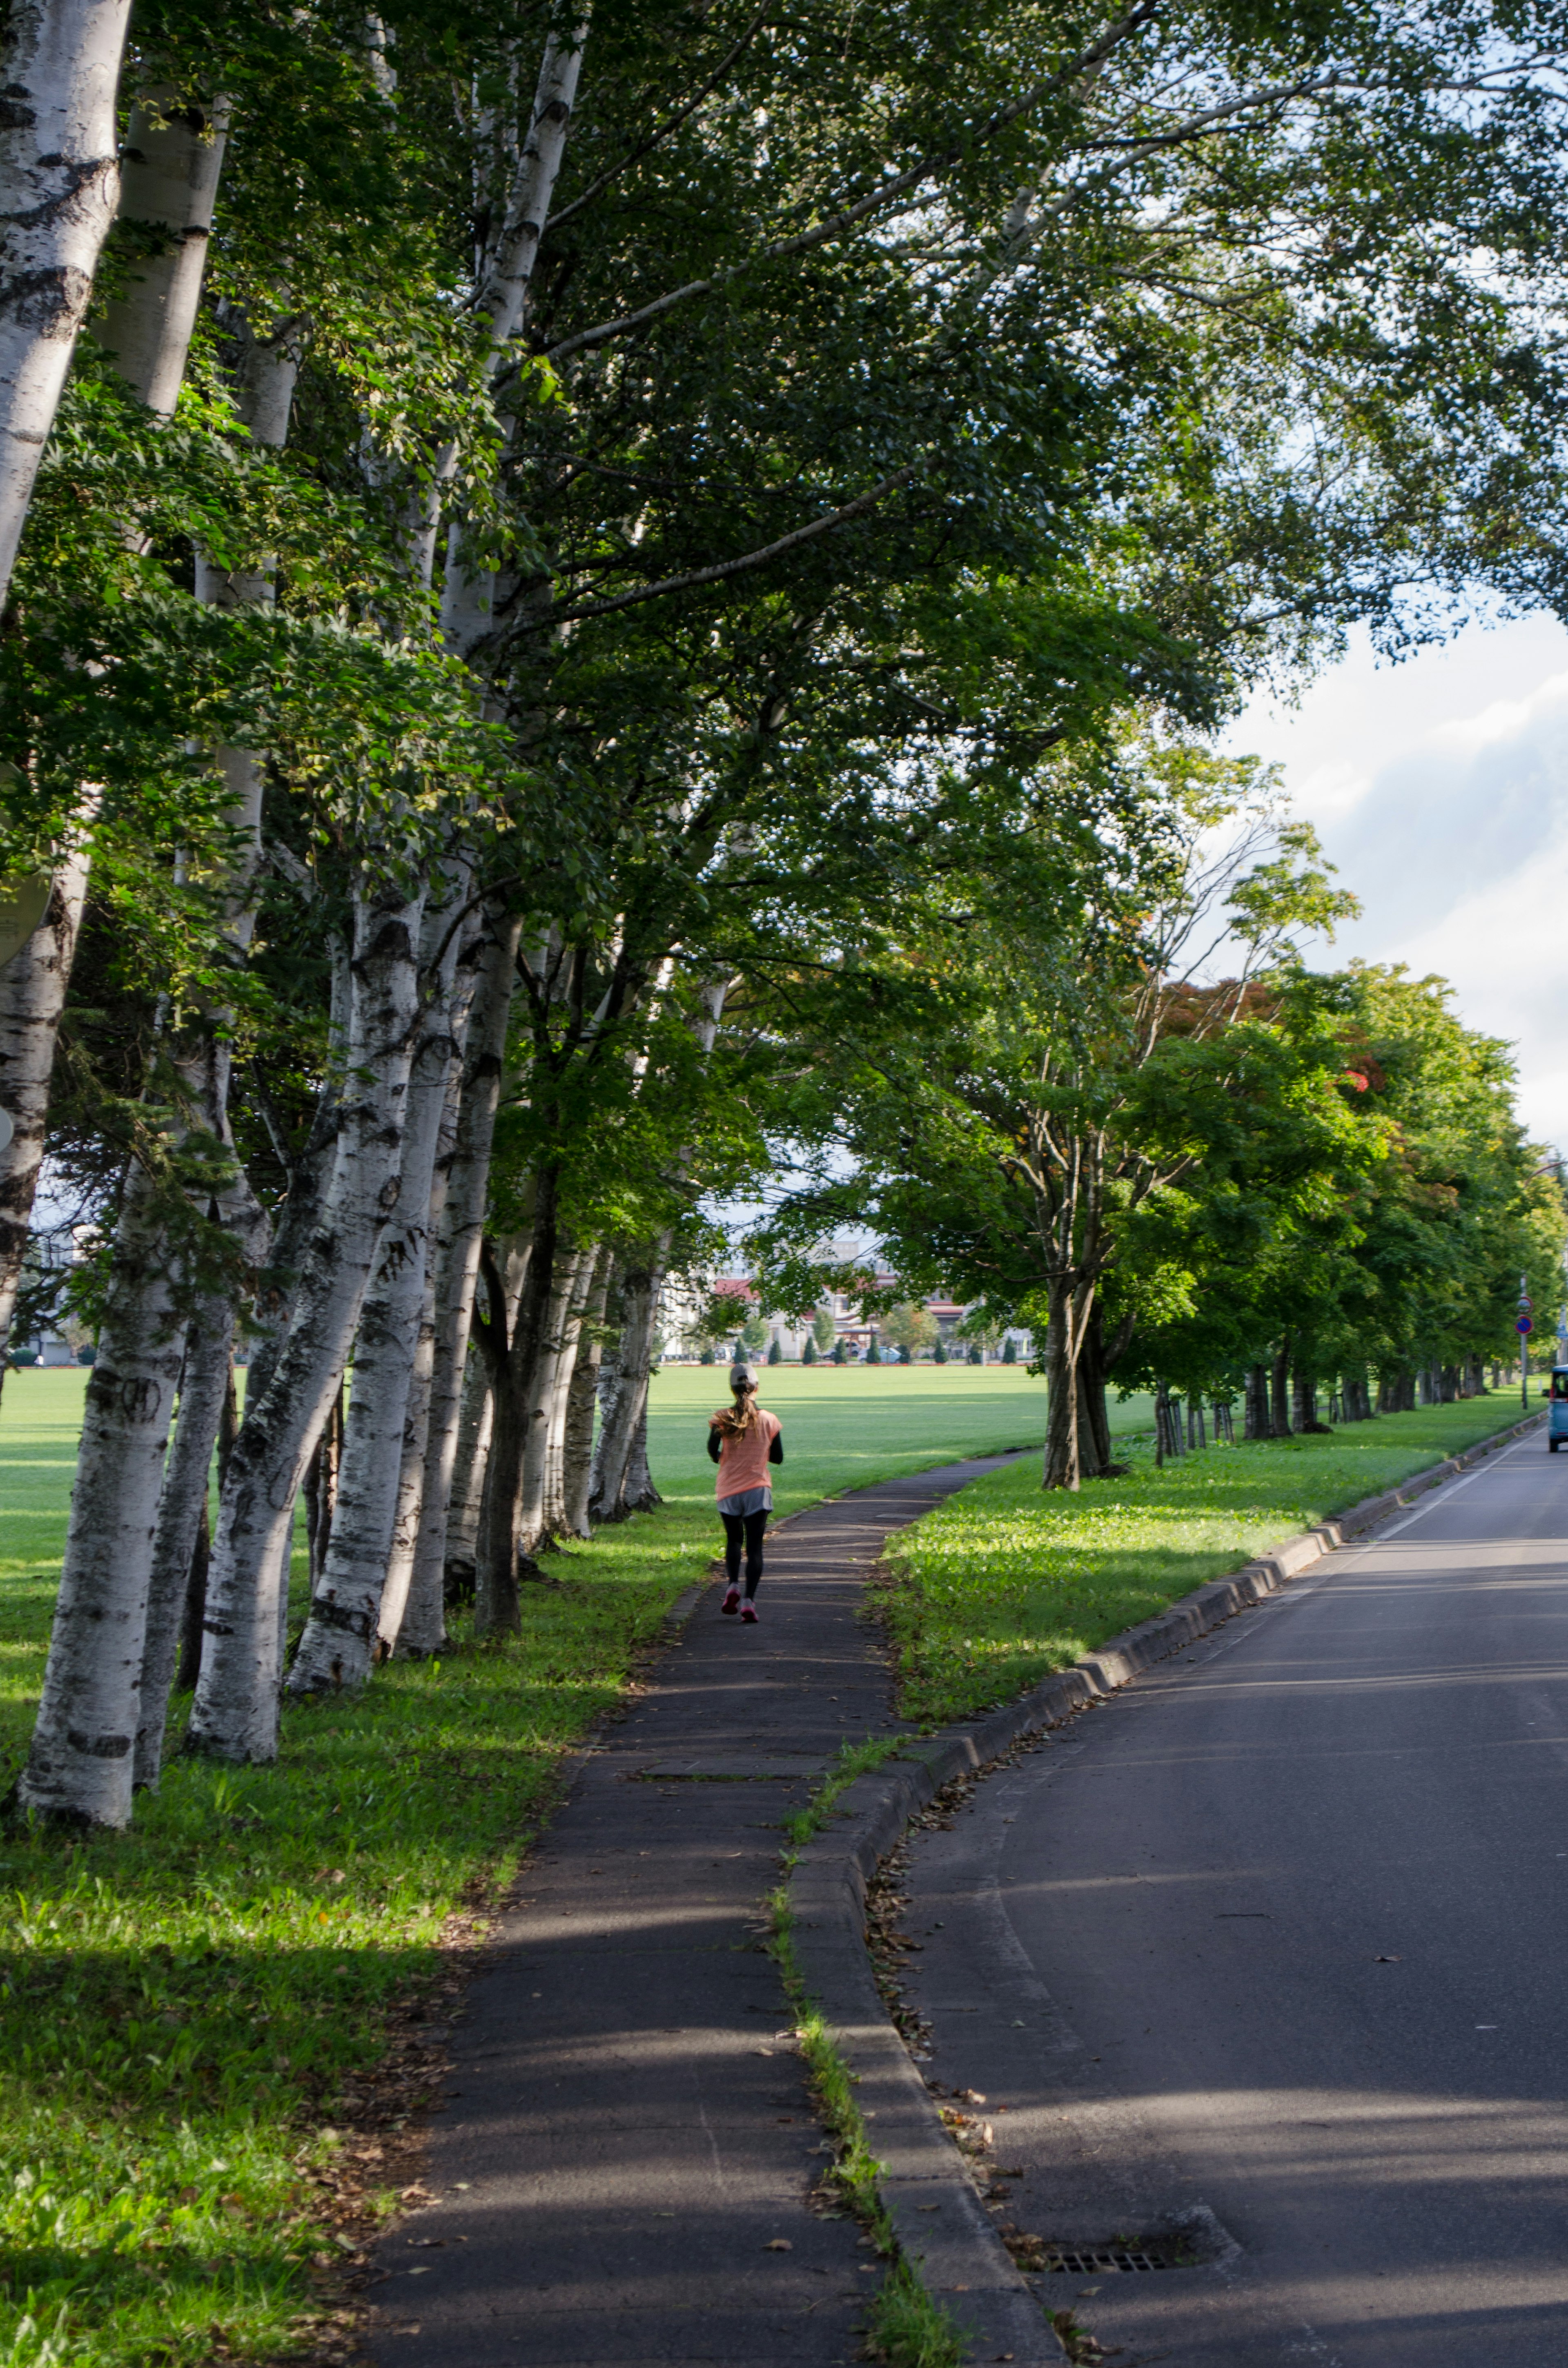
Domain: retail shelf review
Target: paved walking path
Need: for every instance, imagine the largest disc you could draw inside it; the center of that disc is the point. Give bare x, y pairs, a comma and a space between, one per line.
628, 2135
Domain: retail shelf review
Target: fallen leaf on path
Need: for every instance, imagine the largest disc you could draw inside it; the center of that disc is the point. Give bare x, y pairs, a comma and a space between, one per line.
778, 2245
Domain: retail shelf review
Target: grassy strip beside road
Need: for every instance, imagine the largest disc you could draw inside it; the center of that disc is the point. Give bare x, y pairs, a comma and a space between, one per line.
1001, 1584
199, 2018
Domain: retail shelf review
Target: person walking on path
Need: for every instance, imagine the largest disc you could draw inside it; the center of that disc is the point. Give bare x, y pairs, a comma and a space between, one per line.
744, 1439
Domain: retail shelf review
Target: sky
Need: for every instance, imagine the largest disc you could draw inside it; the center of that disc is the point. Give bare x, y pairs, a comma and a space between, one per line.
1439, 788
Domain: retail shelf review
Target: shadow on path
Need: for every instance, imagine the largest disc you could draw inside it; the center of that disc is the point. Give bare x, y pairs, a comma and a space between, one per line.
627, 2135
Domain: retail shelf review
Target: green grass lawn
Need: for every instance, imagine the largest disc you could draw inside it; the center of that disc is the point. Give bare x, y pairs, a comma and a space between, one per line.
185, 2008
1001, 1584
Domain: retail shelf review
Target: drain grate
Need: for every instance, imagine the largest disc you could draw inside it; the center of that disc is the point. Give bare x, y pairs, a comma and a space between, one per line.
1095, 2260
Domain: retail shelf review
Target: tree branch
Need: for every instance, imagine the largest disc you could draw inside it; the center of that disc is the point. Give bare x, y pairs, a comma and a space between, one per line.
671, 122
728, 567
900, 186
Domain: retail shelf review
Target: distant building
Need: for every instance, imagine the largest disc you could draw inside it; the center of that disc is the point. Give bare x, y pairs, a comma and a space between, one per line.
685, 1301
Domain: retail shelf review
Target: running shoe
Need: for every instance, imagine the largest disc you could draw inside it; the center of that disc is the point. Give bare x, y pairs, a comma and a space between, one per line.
732, 1601
748, 1611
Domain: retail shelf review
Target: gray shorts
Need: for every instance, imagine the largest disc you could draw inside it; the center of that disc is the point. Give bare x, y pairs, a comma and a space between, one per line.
750, 1500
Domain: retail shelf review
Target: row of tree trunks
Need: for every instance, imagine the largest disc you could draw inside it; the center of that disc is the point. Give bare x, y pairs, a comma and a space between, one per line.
417, 1624
82, 1762
446, 1530
206, 1386
381, 1142
619, 1483
340, 1634
235, 1712
582, 1399
168, 182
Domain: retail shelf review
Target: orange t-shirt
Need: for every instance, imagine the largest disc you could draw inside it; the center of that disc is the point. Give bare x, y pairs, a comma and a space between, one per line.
742, 1463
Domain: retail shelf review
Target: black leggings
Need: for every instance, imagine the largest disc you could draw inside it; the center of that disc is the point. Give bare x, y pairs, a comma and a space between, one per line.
749, 1527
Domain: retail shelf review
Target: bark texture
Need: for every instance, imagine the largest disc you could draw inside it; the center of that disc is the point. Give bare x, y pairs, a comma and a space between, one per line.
467, 597
461, 1571
310, 1173
1071, 1306
81, 1765
623, 1384
514, 1345
33, 997
416, 1413
582, 1399
1280, 1392
541, 1503
58, 182
641, 1494
235, 1712
319, 1488
196, 1583
461, 1233
1256, 1421
205, 1383
168, 180
339, 1639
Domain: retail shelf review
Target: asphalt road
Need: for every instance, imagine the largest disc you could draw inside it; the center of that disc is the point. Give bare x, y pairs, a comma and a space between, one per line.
1280, 1935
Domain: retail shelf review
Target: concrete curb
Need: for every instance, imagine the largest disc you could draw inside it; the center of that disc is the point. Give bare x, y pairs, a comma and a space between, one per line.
930, 2198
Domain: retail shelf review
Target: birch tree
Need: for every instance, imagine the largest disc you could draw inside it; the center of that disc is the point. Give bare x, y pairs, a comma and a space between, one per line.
59, 183
33, 982
80, 1765
335, 1649
235, 1712
457, 1275
169, 182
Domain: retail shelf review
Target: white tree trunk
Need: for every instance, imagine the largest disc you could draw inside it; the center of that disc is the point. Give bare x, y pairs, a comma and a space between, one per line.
467, 598
81, 1765
623, 1384
578, 1429
340, 1635
416, 1416
168, 179
411, 1473
640, 1493
33, 997
310, 1172
58, 181
622, 1482
102, 1614
590, 1265
462, 1232
472, 1462
547, 1386
204, 1387
235, 1712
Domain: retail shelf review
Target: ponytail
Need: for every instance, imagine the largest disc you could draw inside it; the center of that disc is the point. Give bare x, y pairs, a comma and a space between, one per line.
734, 1421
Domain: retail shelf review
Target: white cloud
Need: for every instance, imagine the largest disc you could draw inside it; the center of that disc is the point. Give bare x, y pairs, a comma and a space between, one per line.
1440, 790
